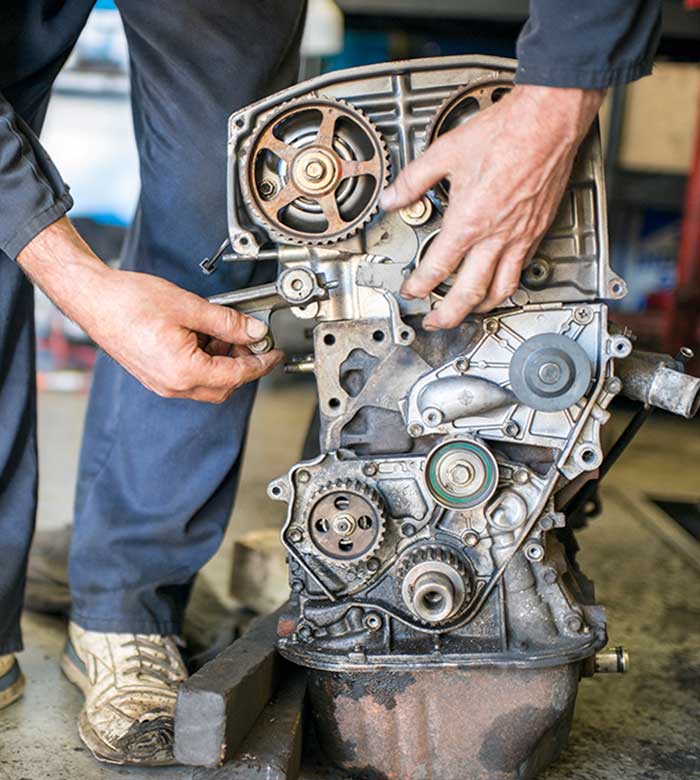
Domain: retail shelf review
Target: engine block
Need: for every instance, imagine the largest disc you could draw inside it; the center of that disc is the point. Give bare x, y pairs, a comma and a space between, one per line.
430, 534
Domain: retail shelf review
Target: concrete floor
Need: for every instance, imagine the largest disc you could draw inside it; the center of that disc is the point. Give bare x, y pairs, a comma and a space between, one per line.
643, 726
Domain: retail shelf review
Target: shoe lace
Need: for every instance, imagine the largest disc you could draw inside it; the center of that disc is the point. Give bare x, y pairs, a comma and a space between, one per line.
153, 658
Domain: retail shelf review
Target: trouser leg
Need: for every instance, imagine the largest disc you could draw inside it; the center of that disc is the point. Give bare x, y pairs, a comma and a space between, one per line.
33, 46
157, 477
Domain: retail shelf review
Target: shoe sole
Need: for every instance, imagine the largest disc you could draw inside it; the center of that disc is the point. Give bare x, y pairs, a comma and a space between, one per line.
74, 670
12, 687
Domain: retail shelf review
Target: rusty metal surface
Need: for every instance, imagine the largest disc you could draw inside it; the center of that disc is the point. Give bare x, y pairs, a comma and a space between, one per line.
484, 724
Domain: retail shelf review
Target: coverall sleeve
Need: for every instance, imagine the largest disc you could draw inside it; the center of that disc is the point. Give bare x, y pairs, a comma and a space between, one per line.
32, 192
589, 44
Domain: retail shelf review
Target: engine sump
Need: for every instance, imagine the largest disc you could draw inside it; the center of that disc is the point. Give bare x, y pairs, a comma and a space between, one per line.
452, 724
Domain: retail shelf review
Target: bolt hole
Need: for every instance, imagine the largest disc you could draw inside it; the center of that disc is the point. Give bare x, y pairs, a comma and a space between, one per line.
334, 403
276, 490
322, 525
345, 545
588, 456
497, 94
433, 601
341, 503
329, 339
405, 335
239, 123
243, 241
378, 335
365, 522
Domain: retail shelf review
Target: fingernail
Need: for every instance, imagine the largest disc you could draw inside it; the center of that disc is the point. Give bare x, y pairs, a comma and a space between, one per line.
429, 325
404, 293
256, 328
387, 199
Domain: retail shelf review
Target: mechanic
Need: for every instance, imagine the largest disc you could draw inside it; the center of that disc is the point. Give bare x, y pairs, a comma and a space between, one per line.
159, 468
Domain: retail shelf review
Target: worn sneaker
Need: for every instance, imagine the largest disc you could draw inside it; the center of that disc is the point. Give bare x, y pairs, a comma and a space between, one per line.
130, 683
11, 680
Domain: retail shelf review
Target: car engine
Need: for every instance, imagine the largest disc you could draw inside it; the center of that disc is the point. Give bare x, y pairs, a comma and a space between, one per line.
436, 598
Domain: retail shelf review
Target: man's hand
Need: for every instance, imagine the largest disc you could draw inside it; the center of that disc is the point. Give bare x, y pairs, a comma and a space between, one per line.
508, 168
174, 342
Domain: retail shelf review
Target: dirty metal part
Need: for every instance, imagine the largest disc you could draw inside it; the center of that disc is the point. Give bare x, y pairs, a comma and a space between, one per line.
273, 748
488, 723
658, 380
615, 661
218, 705
458, 446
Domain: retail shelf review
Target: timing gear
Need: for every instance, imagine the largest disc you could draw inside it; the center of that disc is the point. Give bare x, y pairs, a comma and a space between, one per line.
313, 171
346, 521
458, 109
434, 583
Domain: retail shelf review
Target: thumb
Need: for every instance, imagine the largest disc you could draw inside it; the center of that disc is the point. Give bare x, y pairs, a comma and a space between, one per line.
413, 181
226, 324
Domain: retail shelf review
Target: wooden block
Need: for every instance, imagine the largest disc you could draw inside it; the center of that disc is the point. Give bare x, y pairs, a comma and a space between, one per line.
273, 749
217, 706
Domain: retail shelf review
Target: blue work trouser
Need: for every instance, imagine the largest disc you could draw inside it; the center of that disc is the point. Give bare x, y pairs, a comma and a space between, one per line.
157, 476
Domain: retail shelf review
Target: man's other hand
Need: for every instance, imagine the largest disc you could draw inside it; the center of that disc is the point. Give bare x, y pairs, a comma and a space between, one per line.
507, 169
174, 342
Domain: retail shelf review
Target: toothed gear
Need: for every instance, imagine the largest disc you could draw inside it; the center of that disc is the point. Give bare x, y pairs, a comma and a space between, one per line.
321, 177
346, 521
471, 100
435, 554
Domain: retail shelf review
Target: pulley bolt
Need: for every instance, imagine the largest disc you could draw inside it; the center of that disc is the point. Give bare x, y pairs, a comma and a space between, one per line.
461, 473
417, 213
344, 525
295, 535
549, 373
315, 170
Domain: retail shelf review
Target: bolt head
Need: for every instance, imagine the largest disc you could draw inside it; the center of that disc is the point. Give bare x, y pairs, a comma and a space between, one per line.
295, 535
303, 475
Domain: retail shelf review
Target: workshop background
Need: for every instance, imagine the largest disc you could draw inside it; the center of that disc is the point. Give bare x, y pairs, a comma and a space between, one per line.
643, 551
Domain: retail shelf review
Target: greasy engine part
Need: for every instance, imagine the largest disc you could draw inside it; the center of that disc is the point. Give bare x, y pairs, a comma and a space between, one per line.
437, 600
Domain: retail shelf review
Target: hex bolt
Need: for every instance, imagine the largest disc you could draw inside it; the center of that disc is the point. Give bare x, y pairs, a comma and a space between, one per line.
574, 624
613, 385
550, 576
295, 535
462, 365
297, 586
303, 476
471, 538
415, 430
373, 564
521, 476
369, 469
408, 529
491, 325
511, 428
547, 523
305, 633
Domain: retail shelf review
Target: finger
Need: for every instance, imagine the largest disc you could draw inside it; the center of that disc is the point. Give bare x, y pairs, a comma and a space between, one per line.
218, 377
444, 254
506, 278
223, 323
413, 181
469, 289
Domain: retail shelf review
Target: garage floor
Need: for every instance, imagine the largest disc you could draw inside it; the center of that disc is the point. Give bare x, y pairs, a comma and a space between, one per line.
642, 726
